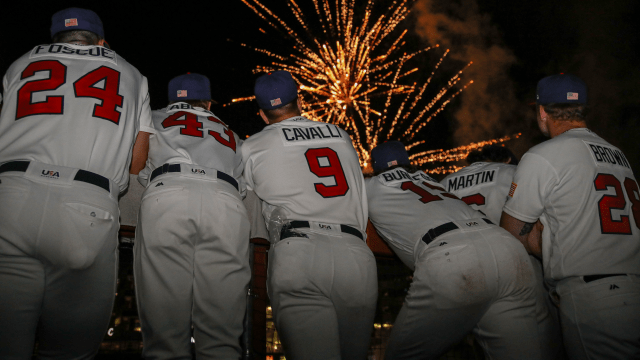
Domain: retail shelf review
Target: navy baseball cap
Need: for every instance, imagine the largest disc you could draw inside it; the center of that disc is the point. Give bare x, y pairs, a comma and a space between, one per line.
389, 154
76, 19
189, 87
275, 90
561, 89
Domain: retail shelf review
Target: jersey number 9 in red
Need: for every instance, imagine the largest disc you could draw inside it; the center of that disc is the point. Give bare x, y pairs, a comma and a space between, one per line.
617, 202
85, 87
333, 169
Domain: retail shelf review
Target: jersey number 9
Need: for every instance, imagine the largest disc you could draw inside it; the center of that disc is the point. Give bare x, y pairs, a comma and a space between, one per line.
331, 168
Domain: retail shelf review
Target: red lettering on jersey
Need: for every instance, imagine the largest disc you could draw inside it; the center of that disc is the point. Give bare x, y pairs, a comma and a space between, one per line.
109, 96
608, 202
53, 104
190, 123
334, 169
631, 186
475, 199
231, 143
426, 197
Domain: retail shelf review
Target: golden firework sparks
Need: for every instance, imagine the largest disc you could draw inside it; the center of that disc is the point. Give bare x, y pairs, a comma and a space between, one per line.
352, 73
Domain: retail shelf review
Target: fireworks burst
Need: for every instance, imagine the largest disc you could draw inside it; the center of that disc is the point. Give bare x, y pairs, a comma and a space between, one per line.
352, 73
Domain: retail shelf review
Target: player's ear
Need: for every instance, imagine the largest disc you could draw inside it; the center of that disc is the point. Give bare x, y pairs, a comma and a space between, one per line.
264, 117
208, 105
299, 105
104, 43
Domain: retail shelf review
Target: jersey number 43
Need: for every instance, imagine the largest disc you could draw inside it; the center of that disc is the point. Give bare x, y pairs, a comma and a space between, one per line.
84, 87
617, 202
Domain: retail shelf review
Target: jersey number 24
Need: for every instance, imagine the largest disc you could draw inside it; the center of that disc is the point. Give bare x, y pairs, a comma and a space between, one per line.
85, 87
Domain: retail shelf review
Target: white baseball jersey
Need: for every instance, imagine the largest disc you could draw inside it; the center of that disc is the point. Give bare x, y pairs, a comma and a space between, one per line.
193, 135
586, 189
75, 106
318, 155
396, 197
483, 186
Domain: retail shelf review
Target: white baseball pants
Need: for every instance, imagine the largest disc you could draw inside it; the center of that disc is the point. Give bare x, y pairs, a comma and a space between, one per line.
479, 280
58, 263
323, 291
600, 319
191, 268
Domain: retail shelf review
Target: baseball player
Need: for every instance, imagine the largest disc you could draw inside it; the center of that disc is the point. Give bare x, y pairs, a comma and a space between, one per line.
322, 276
484, 186
469, 274
586, 190
192, 242
73, 110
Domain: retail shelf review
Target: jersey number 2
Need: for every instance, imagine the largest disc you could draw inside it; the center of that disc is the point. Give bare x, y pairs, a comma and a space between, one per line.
83, 87
333, 169
617, 202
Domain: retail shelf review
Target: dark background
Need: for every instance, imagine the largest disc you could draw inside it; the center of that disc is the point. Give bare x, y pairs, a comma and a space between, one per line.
596, 40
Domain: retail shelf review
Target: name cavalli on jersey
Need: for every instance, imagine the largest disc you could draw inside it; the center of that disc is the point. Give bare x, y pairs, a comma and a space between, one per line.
302, 135
466, 181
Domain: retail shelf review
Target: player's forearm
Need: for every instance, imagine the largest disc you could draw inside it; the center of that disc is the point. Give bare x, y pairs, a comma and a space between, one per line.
139, 153
529, 234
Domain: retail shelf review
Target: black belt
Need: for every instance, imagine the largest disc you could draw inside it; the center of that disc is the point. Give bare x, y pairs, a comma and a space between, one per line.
81, 175
170, 168
432, 234
285, 232
590, 278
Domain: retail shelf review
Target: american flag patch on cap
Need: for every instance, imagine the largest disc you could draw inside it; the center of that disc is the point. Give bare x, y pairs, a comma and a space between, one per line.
572, 96
276, 102
513, 189
392, 162
70, 22
182, 93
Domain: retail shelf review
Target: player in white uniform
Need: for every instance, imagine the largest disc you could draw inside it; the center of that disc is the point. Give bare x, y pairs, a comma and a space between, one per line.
469, 274
484, 185
72, 114
192, 241
322, 276
586, 190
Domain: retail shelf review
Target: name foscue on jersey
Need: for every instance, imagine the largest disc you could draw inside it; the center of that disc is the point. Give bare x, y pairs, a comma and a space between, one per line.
466, 181
311, 133
607, 155
90, 53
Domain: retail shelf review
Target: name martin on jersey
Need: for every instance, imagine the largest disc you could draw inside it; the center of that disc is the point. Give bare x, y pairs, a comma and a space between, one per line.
322, 132
603, 154
90, 52
465, 181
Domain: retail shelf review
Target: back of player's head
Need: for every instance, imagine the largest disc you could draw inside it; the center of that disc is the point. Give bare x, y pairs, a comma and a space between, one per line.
492, 153
563, 97
189, 87
388, 154
561, 89
74, 19
275, 90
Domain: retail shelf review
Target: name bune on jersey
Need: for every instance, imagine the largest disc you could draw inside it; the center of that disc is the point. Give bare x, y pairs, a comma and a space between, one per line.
465, 181
402, 174
311, 133
606, 155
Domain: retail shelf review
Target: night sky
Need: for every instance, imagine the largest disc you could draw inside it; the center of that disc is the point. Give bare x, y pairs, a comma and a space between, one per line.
512, 44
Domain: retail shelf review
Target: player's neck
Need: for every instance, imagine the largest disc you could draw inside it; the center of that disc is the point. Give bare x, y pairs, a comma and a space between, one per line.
559, 127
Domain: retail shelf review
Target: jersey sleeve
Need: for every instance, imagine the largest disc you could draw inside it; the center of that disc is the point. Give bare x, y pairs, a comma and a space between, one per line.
146, 124
532, 183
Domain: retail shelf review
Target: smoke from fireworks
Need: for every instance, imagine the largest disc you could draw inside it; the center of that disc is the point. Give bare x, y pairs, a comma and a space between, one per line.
353, 71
